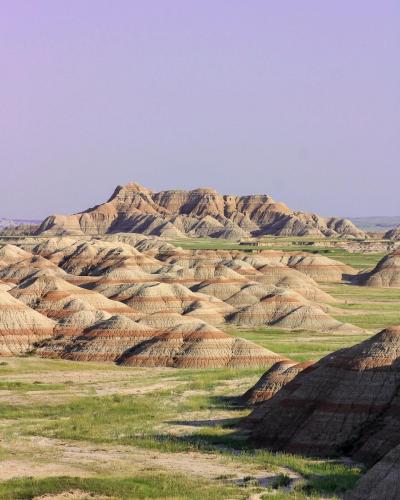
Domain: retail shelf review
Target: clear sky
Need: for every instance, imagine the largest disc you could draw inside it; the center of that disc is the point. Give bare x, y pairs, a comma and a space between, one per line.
297, 99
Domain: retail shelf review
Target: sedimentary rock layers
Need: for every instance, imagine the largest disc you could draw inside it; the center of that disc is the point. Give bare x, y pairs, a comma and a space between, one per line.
20, 326
246, 284
104, 340
385, 274
200, 212
318, 267
286, 309
198, 345
108, 298
348, 403
56, 298
273, 380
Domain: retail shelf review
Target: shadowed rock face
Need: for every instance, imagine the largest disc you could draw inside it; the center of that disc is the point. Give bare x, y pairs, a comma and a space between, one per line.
273, 380
200, 212
347, 403
393, 234
385, 274
382, 481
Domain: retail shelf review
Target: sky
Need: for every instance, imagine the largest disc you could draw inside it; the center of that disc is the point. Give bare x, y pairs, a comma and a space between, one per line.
296, 99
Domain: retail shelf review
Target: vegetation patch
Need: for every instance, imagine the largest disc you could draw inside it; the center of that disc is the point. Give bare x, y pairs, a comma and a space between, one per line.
148, 485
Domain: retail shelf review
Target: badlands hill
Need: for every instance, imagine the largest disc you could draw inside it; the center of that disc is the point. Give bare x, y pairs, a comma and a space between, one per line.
393, 234
385, 274
140, 301
345, 404
200, 212
272, 381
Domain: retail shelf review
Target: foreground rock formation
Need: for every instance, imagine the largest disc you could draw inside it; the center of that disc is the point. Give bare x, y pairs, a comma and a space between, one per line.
346, 404
382, 481
200, 212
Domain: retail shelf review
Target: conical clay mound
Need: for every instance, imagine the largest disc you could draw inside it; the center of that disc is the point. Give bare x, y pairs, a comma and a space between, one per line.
108, 339
287, 309
318, 267
386, 273
55, 297
199, 346
150, 298
20, 326
346, 404
273, 380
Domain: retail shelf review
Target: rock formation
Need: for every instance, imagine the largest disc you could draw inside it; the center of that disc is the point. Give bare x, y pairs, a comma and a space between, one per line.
197, 345
273, 380
20, 326
140, 301
382, 481
347, 404
393, 234
385, 274
200, 212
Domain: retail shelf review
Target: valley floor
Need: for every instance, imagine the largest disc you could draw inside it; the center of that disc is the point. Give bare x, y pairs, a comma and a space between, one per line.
99, 431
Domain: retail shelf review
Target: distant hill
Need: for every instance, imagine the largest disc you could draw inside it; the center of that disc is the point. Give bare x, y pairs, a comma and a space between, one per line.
16, 222
376, 223
199, 212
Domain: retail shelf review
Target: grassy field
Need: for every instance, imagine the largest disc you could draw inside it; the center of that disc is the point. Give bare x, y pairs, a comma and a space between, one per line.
299, 345
141, 433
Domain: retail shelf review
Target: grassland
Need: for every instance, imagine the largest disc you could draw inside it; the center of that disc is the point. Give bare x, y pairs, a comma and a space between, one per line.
299, 345
140, 433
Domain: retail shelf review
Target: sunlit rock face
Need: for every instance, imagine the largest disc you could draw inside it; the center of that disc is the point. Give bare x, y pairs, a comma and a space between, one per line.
200, 212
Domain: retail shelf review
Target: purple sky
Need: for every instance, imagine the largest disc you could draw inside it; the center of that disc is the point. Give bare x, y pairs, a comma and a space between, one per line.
297, 99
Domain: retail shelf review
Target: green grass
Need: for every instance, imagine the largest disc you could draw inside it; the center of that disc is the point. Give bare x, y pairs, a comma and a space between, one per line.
144, 485
133, 420
145, 420
299, 345
24, 387
141, 420
117, 419
367, 307
321, 476
33, 364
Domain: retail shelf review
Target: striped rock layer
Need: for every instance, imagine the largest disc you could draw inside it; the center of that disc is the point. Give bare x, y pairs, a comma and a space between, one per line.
200, 212
273, 380
20, 326
190, 281
385, 274
347, 403
141, 301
